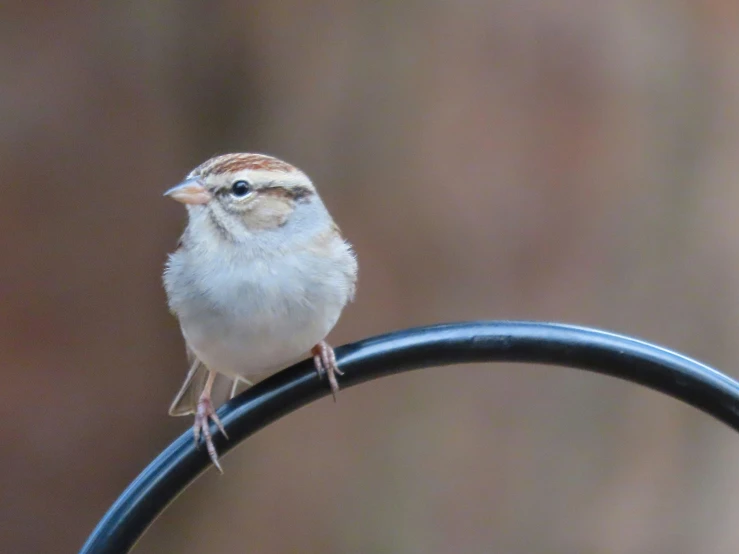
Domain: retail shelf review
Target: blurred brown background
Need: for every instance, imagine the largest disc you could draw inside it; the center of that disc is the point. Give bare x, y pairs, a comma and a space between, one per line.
572, 160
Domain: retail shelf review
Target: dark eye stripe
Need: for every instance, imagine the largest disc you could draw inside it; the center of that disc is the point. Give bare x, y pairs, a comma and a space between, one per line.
296, 193
293, 193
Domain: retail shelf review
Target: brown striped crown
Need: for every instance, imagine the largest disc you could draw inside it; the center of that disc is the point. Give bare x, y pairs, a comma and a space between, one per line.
231, 163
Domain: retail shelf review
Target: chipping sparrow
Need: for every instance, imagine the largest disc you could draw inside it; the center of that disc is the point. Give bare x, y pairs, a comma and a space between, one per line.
259, 278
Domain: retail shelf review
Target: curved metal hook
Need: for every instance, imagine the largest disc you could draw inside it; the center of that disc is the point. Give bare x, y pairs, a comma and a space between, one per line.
456, 343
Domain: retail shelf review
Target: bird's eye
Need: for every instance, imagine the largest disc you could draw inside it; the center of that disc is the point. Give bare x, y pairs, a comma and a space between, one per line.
240, 189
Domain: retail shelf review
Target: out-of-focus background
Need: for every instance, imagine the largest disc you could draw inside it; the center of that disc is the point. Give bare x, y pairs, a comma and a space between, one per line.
573, 161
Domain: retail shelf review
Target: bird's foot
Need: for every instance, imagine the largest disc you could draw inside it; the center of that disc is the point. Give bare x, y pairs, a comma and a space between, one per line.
204, 414
325, 361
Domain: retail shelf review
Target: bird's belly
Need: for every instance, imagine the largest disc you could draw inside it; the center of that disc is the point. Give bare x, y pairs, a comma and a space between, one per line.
260, 339
252, 317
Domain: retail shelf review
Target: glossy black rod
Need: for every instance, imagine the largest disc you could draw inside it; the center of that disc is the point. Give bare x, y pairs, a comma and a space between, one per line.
486, 341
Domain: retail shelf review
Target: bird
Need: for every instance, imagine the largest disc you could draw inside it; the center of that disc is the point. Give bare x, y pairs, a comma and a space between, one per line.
258, 279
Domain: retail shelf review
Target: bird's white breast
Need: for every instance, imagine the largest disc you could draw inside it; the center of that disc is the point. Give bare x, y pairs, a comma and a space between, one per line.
252, 315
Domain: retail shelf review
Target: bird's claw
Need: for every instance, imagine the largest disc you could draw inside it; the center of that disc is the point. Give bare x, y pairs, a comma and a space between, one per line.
325, 362
205, 413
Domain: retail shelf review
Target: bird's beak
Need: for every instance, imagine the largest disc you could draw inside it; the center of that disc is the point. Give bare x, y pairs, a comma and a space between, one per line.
190, 192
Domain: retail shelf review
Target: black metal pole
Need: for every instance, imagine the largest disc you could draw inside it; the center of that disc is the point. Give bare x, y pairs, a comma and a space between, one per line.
485, 341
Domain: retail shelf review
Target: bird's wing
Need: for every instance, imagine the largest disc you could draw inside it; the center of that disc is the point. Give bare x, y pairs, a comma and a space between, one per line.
185, 403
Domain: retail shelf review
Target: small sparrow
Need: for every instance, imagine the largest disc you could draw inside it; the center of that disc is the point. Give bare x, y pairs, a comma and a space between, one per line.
259, 278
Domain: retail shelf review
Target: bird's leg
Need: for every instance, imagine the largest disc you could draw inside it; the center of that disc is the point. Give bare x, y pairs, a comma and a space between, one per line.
203, 415
325, 361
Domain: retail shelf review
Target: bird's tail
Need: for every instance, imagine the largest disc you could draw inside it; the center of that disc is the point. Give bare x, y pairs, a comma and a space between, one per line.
186, 401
